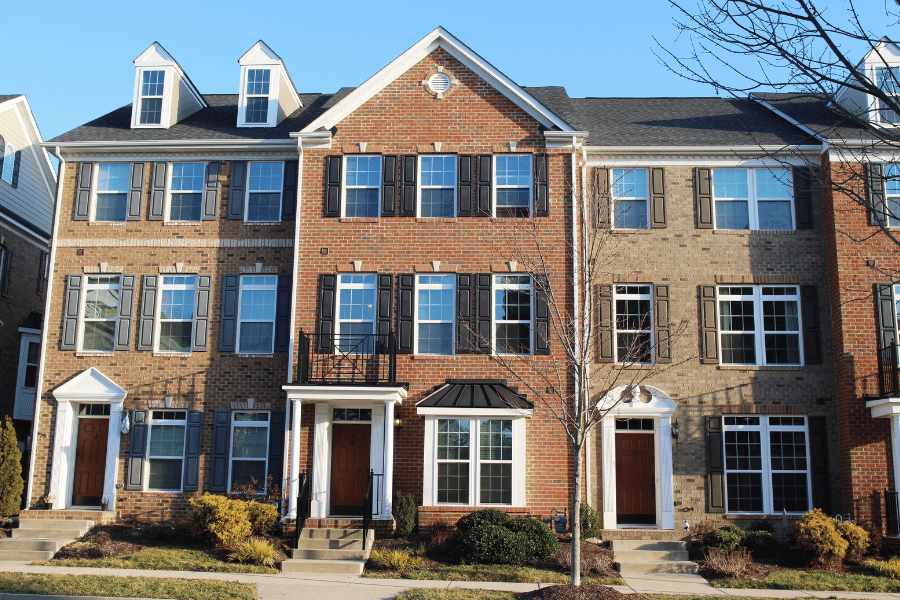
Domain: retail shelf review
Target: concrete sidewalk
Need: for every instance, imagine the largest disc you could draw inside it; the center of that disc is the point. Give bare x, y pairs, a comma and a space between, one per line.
341, 587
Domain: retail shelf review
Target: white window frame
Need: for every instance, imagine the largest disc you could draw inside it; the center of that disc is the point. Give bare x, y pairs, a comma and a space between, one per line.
151, 421
248, 96
753, 200
275, 77
474, 418
162, 97
767, 471
24, 404
371, 283
529, 287
279, 191
615, 199
84, 318
157, 336
419, 320
759, 331
245, 286
892, 196
617, 295
9, 163
875, 110
345, 186
529, 187
96, 193
452, 187
172, 190
261, 424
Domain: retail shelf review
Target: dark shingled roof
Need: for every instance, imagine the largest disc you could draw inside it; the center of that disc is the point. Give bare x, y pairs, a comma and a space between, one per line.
5, 97
475, 393
815, 112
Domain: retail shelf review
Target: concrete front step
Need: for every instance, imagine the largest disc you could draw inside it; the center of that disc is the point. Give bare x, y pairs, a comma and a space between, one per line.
330, 544
28, 523
25, 555
47, 534
303, 565
330, 550
643, 534
332, 534
654, 546
32, 545
314, 554
629, 556
656, 566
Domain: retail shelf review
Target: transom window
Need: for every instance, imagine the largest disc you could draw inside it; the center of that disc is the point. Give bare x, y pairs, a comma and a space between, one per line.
888, 80
256, 316
176, 313
351, 414
165, 450
491, 459
436, 314
437, 191
249, 449
9, 163
257, 96
112, 191
362, 186
93, 410
512, 314
152, 87
756, 199
630, 198
356, 314
759, 325
634, 425
186, 191
512, 182
634, 323
766, 464
101, 304
264, 181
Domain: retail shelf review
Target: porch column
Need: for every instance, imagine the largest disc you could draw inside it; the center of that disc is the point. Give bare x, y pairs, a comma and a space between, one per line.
608, 470
666, 496
388, 502
895, 448
112, 455
63, 451
321, 462
294, 477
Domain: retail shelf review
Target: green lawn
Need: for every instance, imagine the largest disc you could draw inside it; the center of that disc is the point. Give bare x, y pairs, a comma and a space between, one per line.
430, 594
162, 558
489, 573
125, 587
790, 579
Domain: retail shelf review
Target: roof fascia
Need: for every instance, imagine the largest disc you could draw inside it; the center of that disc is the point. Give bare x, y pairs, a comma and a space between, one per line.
751, 150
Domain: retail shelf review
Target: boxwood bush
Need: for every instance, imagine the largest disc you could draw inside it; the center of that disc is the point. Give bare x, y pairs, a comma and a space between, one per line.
761, 544
590, 522
725, 538
491, 537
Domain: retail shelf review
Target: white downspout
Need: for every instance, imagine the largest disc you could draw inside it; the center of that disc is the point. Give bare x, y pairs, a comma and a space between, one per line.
576, 254
587, 367
35, 417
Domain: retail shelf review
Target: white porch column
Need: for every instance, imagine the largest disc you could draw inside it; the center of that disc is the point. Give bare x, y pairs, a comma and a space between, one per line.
321, 462
294, 477
608, 470
388, 501
895, 448
63, 454
112, 455
666, 496
377, 457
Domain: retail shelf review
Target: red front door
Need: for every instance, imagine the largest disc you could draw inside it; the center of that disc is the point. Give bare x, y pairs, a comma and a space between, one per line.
349, 467
90, 462
635, 479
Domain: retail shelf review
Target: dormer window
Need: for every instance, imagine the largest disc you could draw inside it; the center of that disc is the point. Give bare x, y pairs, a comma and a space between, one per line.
257, 96
163, 93
888, 79
152, 88
267, 94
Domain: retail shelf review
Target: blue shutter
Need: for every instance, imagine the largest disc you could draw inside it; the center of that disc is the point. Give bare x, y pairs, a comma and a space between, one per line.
221, 446
192, 439
201, 314
236, 189
134, 478
158, 192
228, 322
135, 192
83, 193
125, 313
69, 338
148, 312
211, 191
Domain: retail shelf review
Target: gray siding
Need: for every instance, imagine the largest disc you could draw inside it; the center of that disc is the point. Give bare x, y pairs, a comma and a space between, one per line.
30, 199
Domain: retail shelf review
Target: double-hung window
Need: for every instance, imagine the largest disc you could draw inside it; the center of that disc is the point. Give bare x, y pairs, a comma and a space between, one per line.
264, 183
512, 184
9, 162
249, 449
101, 304
356, 314
257, 96
755, 199
436, 314
892, 194
165, 450
186, 191
630, 199
512, 314
112, 192
474, 460
176, 313
151, 100
362, 183
634, 323
437, 190
759, 325
766, 464
888, 80
256, 316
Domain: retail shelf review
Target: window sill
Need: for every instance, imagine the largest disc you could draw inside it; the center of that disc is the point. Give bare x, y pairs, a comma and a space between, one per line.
358, 220
437, 219
173, 354
181, 223
433, 356
253, 223
754, 232
87, 353
252, 355
105, 223
630, 231
761, 368
761, 516
162, 492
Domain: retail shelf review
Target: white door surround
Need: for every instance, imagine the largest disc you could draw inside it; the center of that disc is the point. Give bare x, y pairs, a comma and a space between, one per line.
88, 387
889, 408
645, 402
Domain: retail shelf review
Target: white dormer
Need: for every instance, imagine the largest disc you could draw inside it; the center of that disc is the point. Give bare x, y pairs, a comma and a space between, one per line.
882, 67
267, 92
163, 93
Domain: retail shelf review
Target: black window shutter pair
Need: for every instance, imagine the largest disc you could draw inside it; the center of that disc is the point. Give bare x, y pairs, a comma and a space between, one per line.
542, 332
878, 213
72, 306
606, 345
149, 298
222, 445
228, 323
334, 173
473, 313
328, 304
6, 256
236, 186
137, 451
805, 194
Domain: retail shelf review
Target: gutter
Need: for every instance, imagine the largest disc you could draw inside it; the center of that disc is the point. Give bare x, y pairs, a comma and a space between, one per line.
279, 144
703, 150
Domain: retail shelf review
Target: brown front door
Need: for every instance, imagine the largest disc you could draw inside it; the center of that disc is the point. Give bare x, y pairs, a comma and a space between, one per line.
90, 462
349, 467
635, 479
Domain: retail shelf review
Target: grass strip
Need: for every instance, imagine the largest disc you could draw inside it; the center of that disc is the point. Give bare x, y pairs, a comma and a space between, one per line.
125, 587
506, 573
820, 581
162, 558
431, 594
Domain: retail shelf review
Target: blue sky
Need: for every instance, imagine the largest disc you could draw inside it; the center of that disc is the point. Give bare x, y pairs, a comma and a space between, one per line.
74, 60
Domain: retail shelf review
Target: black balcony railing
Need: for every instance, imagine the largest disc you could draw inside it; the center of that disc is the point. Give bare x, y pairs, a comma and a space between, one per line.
888, 383
347, 358
892, 513
302, 505
367, 506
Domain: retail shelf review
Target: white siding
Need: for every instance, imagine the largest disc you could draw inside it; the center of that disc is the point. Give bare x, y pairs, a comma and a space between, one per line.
30, 199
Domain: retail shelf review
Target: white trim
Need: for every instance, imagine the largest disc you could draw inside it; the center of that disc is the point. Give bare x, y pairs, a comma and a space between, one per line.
759, 331
345, 164
253, 424
786, 117
421, 186
24, 401
614, 198
417, 321
615, 321
529, 287
248, 191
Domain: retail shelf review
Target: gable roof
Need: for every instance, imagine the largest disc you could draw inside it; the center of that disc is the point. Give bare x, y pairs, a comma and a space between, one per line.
260, 54
820, 115
439, 38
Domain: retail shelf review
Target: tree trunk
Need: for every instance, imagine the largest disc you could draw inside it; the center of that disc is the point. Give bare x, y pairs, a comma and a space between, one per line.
575, 514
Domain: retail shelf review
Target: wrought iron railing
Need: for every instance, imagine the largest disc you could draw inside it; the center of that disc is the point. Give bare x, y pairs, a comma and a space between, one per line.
302, 505
367, 507
347, 358
888, 379
892, 513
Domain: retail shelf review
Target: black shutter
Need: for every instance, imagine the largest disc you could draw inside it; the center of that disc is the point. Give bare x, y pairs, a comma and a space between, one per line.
211, 191
6, 275
201, 314
887, 316
125, 313
158, 192
69, 338
236, 189
15, 173
600, 196
136, 192
2, 152
228, 324
333, 173
406, 292
408, 185
877, 206
327, 302
803, 197
148, 312
289, 190
605, 315
709, 338
464, 206
715, 451
483, 305
221, 443
662, 327
134, 479
658, 198
541, 285
465, 343
818, 455
192, 438
541, 189
485, 182
44, 273
83, 195
809, 312
276, 448
385, 309
283, 314
704, 199
389, 186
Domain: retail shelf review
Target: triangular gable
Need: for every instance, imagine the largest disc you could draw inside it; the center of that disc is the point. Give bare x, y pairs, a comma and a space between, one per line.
157, 56
90, 384
439, 38
48, 173
260, 54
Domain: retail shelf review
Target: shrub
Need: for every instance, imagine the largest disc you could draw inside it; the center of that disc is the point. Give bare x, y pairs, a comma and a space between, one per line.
218, 520
404, 512
816, 535
256, 551
590, 522
762, 525
699, 530
760, 543
399, 559
596, 562
515, 542
539, 542
262, 517
725, 538
875, 539
734, 563
11, 483
884, 568
491, 516
857, 540
440, 534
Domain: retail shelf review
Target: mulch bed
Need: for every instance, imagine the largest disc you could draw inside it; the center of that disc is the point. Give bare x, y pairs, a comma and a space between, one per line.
589, 551
579, 592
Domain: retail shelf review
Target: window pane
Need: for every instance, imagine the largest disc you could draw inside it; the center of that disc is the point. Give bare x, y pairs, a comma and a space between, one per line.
151, 111
453, 439
513, 338
775, 215
185, 207
788, 450
436, 305
165, 474
361, 203
453, 483
153, 83
513, 305
512, 202
265, 176
356, 338
363, 171
439, 171
357, 304
789, 492
738, 349
732, 215
743, 451
437, 203
745, 492
496, 483
258, 82
730, 183
188, 177
632, 313
631, 214
257, 304
514, 170
436, 338
113, 177
256, 338
257, 110
782, 349
775, 184
167, 440
264, 207
175, 336
244, 472
111, 207
629, 183
177, 304
99, 335
250, 442
101, 304
496, 440
633, 347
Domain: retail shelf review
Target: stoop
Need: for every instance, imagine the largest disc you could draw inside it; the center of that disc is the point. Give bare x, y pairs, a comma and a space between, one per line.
339, 551
41, 539
648, 556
